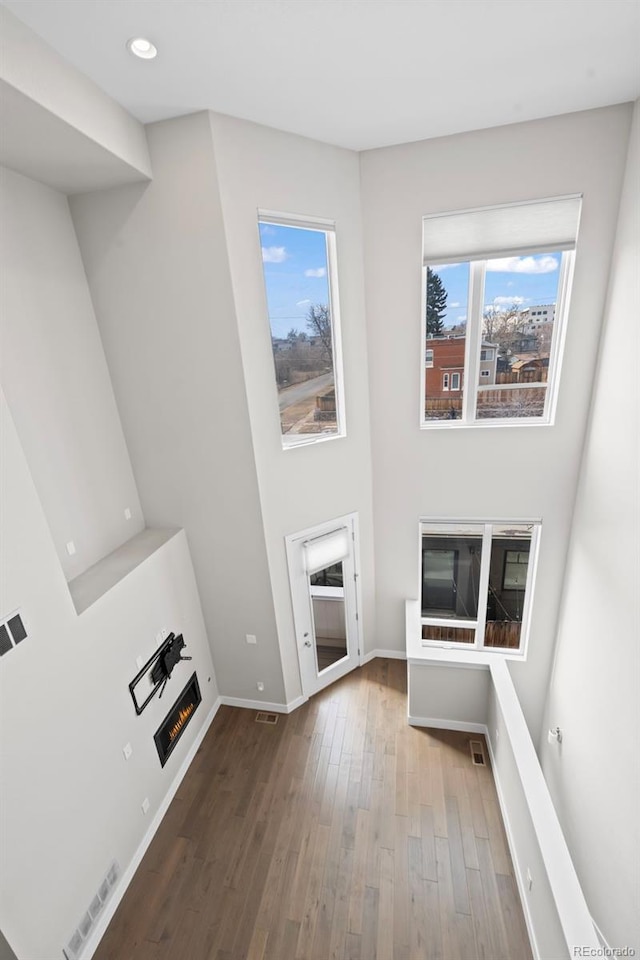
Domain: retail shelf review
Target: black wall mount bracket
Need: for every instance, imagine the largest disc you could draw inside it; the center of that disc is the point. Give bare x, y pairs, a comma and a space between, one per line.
153, 677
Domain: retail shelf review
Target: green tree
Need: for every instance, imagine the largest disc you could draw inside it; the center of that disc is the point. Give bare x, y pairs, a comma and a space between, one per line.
436, 304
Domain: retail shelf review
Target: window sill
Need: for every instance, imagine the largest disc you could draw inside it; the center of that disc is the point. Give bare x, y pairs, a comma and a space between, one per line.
483, 424
464, 655
308, 441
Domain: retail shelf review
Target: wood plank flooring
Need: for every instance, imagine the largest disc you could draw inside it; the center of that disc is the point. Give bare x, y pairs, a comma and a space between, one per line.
340, 833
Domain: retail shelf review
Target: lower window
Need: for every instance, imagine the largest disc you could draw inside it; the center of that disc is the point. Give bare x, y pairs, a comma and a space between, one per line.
476, 583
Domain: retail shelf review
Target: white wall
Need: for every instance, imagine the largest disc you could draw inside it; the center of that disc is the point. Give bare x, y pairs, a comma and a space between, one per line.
70, 802
494, 472
451, 694
594, 776
157, 266
263, 168
56, 379
59, 121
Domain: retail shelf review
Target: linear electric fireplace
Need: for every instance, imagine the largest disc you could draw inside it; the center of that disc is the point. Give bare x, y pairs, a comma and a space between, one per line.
176, 721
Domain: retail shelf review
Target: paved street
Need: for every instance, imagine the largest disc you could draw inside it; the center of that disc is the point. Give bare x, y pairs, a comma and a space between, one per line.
300, 392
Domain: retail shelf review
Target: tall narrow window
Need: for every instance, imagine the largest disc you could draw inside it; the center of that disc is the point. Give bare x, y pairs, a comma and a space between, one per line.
476, 583
496, 284
299, 264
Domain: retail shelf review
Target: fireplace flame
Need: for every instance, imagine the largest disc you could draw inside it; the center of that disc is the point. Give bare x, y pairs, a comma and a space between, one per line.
183, 716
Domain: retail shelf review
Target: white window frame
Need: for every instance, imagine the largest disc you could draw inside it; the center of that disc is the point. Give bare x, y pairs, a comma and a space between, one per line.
428, 358
480, 622
455, 378
473, 343
328, 227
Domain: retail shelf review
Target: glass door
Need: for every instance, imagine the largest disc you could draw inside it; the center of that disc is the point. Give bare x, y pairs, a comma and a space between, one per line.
326, 589
324, 592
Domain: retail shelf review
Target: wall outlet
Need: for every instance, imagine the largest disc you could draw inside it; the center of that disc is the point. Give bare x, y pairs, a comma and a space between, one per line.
127, 513
139, 661
127, 751
145, 805
497, 734
529, 880
71, 548
251, 638
260, 685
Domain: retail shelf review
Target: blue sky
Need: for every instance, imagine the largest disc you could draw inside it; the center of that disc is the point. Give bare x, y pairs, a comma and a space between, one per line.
510, 281
295, 273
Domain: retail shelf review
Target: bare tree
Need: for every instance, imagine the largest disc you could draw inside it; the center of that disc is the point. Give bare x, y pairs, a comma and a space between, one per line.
503, 327
319, 324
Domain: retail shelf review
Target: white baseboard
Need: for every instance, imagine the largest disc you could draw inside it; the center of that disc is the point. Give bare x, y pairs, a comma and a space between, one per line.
263, 705
384, 654
294, 704
522, 890
112, 904
464, 726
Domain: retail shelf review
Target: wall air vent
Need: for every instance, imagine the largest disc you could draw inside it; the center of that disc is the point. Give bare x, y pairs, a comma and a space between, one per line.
477, 753
262, 717
78, 939
12, 632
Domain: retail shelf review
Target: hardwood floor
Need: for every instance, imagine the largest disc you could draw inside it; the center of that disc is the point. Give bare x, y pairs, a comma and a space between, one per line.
340, 833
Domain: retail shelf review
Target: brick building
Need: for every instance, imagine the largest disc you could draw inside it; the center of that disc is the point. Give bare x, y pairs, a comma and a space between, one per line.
444, 366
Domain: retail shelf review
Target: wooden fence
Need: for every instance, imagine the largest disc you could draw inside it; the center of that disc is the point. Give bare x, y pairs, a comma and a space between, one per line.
527, 402
326, 405
497, 633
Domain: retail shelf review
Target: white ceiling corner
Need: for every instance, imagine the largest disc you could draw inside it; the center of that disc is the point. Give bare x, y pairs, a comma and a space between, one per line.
356, 73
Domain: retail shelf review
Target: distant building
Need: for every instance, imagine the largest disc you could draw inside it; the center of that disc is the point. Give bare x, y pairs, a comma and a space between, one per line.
530, 367
534, 317
444, 366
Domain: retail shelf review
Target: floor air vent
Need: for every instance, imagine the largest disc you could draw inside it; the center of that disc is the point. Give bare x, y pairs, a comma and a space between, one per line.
262, 717
477, 753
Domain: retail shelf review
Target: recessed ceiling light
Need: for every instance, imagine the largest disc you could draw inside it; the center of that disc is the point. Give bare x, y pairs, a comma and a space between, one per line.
142, 48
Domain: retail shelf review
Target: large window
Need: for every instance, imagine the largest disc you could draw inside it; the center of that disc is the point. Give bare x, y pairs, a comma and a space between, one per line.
476, 583
299, 264
493, 315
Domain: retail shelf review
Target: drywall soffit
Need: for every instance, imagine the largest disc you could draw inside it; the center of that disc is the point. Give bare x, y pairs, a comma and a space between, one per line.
40, 145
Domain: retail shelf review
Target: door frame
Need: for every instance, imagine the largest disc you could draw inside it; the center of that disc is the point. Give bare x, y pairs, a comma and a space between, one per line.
302, 607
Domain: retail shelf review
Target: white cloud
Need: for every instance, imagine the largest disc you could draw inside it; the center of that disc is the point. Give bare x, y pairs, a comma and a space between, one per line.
462, 318
509, 301
320, 272
274, 254
438, 267
302, 303
544, 264
452, 305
